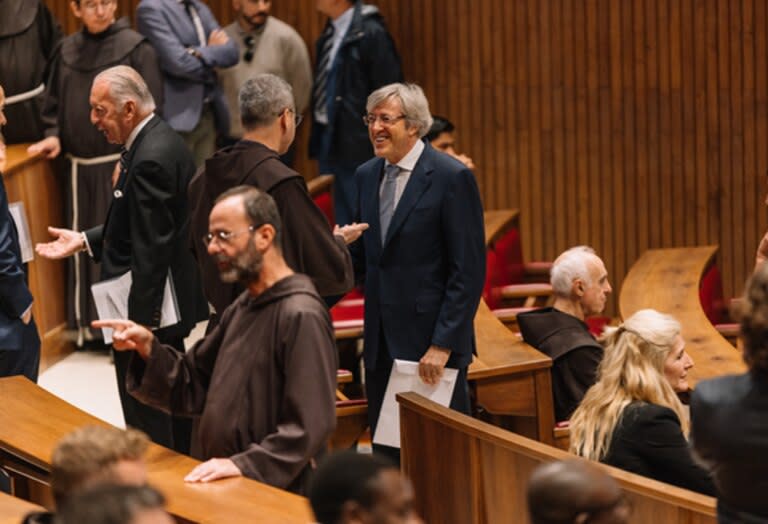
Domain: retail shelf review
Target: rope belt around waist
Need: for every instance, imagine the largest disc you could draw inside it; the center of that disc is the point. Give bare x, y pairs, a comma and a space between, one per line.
78, 161
26, 95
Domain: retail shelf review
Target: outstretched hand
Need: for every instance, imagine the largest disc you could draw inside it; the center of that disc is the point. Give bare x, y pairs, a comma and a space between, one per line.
350, 232
67, 243
128, 335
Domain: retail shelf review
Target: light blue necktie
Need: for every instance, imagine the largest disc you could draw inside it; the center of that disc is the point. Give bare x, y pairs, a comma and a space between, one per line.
387, 200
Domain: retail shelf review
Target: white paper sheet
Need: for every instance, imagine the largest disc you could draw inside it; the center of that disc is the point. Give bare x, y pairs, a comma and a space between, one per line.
22, 228
111, 298
405, 377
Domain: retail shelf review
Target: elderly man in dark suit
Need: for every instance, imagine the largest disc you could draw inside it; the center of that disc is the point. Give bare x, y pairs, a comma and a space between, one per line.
423, 257
146, 229
19, 341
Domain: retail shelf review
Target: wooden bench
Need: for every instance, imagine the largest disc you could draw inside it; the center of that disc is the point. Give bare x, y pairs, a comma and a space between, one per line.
13, 510
483, 472
511, 379
31, 180
34, 420
668, 280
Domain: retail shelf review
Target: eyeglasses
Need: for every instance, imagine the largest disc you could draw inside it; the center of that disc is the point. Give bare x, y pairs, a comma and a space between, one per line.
248, 55
386, 120
92, 6
297, 118
225, 237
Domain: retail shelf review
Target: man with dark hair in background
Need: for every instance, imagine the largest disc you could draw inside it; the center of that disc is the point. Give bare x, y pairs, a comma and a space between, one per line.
442, 136
355, 56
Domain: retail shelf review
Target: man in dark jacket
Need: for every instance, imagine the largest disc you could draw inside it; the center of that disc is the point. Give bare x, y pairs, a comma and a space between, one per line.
145, 230
355, 56
268, 115
580, 283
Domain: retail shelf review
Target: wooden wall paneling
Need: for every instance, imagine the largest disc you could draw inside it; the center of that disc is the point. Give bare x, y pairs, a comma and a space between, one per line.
625, 125
761, 124
748, 203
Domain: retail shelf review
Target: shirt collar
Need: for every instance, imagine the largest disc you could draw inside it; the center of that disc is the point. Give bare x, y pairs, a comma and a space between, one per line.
137, 130
408, 162
342, 23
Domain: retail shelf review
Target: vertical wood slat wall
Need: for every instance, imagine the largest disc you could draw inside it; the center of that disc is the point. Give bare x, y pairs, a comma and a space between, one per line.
624, 124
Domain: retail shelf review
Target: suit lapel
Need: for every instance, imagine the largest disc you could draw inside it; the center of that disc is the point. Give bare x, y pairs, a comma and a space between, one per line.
119, 190
418, 183
183, 25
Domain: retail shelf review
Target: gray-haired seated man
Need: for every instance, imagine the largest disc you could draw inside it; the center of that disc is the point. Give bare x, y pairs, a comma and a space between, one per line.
580, 284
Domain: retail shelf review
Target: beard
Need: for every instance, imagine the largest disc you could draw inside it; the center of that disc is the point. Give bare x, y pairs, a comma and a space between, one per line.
244, 267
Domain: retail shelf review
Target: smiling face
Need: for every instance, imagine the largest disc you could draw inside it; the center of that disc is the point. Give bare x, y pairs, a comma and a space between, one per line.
115, 122
395, 140
676, 366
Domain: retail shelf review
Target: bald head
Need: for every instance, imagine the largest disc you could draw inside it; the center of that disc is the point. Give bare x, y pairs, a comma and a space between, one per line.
574, 491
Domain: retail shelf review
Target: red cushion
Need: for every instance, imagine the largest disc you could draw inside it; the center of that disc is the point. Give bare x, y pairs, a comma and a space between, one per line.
325, 203
597, 324
510, 253
711, 295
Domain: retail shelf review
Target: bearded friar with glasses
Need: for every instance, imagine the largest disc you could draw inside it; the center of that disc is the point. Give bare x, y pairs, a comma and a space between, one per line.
263, 381
268, 115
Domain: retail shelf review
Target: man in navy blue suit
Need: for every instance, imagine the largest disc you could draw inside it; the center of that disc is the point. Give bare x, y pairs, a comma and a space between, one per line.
423, 257
19, 341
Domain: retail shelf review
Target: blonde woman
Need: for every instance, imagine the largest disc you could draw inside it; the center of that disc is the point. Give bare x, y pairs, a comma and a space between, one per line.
632, 418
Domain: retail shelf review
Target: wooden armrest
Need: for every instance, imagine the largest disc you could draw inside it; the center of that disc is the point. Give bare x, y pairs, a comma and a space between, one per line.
343, 376
541, 268
319, 184
508, 315
526, 290
729, 331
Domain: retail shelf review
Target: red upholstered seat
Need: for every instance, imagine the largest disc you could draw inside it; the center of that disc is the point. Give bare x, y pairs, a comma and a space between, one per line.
325, 202
711, 296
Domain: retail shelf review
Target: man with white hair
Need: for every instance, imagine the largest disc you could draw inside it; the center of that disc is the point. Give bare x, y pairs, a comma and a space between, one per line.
423, 257
580, 284
146, 230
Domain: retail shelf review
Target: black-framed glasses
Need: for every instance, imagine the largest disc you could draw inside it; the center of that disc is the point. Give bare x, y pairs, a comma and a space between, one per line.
386, 120
248, 55
225, 237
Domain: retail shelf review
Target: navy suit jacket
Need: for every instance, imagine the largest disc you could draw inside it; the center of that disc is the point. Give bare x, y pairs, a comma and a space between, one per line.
187, 78
423, 285
15, 297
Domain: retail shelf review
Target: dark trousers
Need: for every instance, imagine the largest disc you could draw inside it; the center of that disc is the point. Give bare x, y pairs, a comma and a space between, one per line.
376, 385
170, 431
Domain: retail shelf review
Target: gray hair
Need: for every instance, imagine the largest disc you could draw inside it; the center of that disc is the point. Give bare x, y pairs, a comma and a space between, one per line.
570, 265
125, 83
412, 100
262, 99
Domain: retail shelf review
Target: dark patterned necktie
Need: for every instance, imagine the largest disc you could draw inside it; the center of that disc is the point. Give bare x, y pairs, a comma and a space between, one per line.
320, 93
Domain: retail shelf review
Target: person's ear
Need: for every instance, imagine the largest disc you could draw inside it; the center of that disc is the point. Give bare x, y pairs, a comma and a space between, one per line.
265, 236
581, 518
129, 109
353, 513
76, 10
578, 287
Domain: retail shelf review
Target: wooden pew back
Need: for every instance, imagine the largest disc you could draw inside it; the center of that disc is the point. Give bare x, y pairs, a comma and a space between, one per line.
34, 420
466, 471
13, 510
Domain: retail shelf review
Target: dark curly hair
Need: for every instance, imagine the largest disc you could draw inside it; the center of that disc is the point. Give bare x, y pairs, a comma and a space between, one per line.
753, 314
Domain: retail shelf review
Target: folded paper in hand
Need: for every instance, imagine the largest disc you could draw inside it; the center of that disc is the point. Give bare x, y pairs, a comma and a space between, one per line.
111, 298
22, 228
405, 377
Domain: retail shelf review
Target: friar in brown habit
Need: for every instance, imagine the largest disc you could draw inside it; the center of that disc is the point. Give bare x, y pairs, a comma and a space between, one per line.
268, 115
263, 381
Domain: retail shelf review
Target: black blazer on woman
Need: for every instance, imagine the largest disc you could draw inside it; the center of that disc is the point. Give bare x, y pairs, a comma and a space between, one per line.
649, 441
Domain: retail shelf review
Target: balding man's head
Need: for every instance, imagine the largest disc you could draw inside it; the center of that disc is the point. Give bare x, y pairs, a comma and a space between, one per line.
575, 491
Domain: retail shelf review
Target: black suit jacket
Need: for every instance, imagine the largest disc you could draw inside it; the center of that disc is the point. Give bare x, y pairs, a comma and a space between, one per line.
729, 432
649, 441
147, 229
